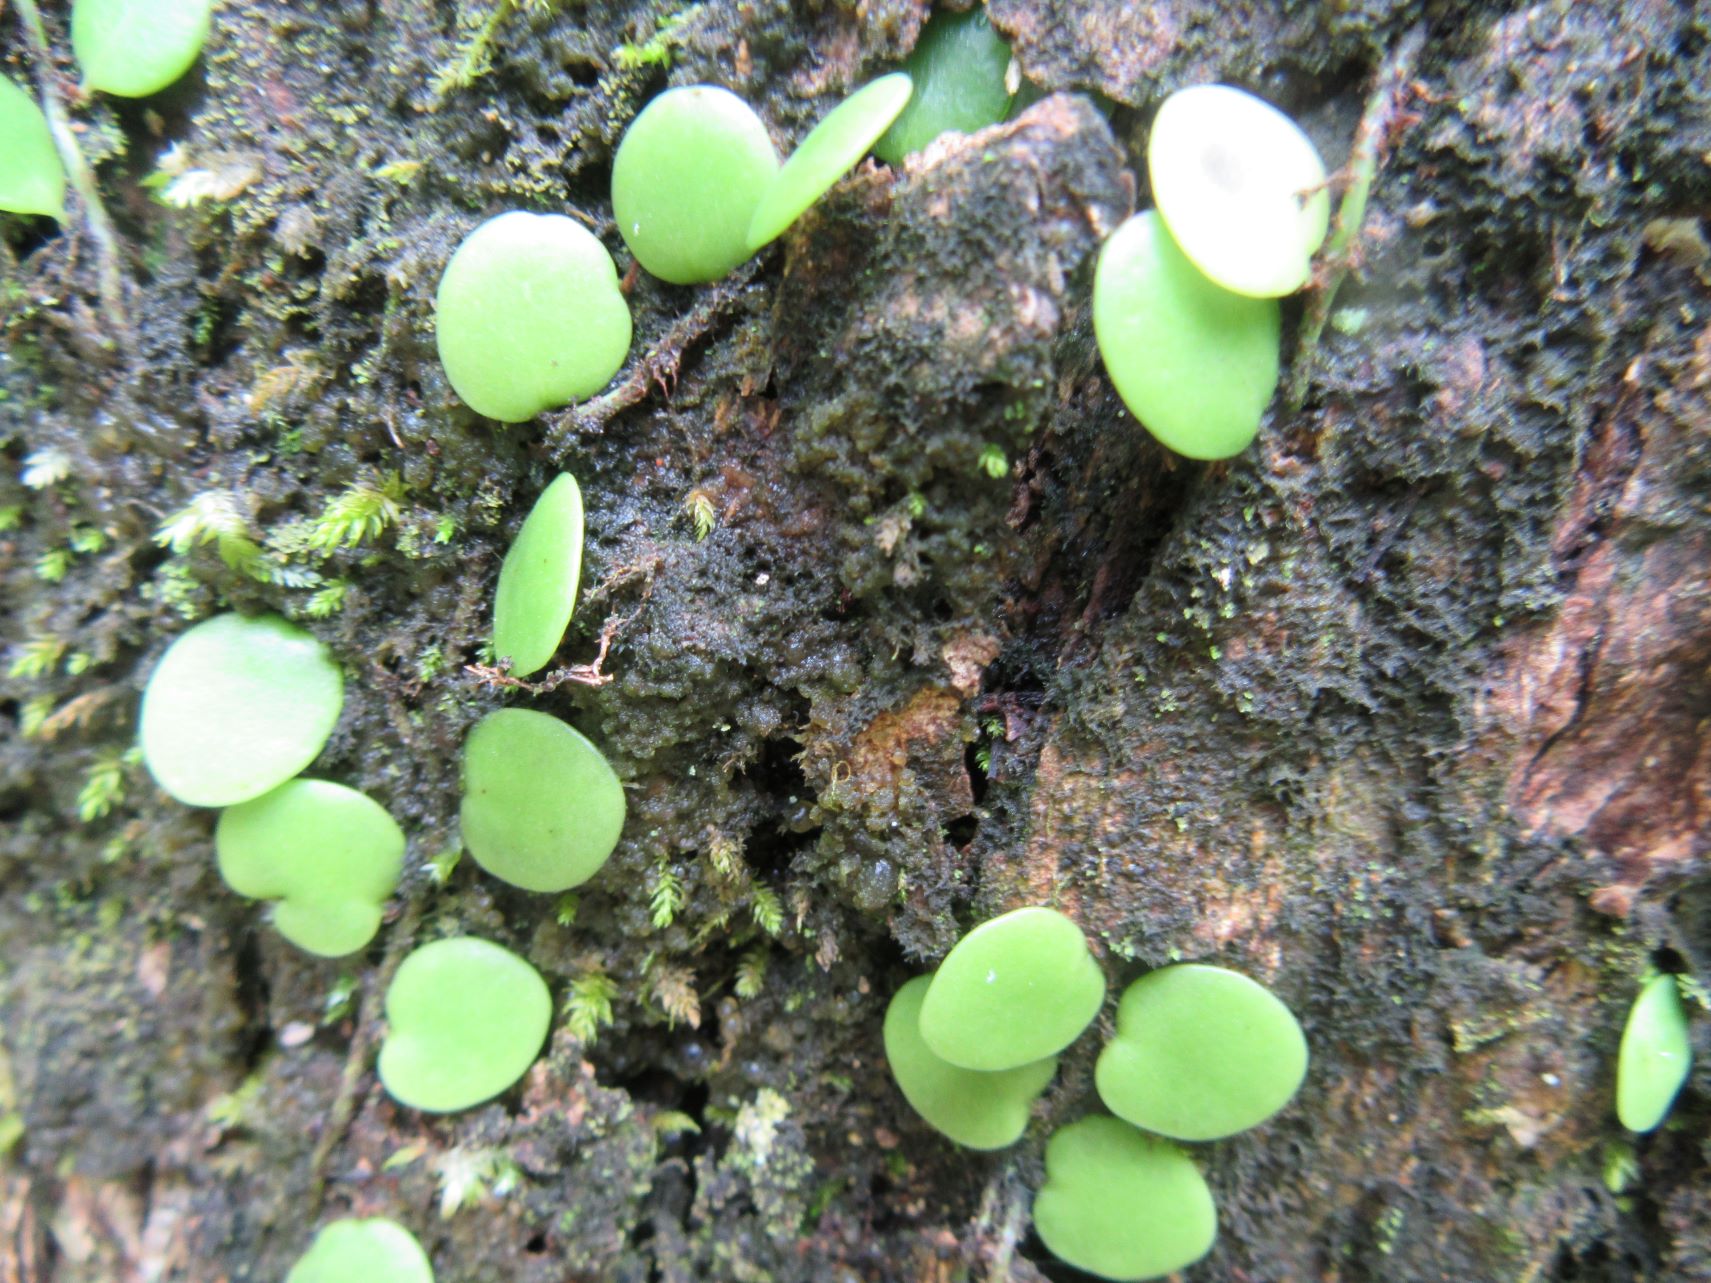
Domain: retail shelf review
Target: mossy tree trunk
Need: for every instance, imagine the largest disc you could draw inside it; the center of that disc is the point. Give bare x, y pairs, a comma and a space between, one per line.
1403, 712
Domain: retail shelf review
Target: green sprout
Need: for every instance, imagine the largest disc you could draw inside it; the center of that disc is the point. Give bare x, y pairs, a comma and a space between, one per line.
767, 910
467, 1176
656, 50
751, 972
361, 514
328, 600
699, 506
667, 897
134, 48
465, 1020
686, 181
1195, 363
327, 855
104, 786
541, 809
1655, 1055
1200, 1053
1122, 1205
831, 148
363, 1251
217, 517
959, 67
53, 565
36, 658
530, 316
32, 179
1014, 990
565, 908
588, 1005
536, 596
236, 707
674, 991
977, 1110
993, 461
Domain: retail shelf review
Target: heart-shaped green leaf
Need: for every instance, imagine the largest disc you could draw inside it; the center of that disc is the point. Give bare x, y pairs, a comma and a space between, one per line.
541, 807
1655, 1056
465, 1020
134, 48
530, 316
686, 181
1199, 1053
32, 181
1014, 990
1241, 188
236, 707
1122, 1205
958, 68
981, 1111
826, 154
537, 582
363, 1251
329, 856
1195, 363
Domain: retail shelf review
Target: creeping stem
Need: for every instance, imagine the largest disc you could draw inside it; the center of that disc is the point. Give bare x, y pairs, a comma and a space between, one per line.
1378, 122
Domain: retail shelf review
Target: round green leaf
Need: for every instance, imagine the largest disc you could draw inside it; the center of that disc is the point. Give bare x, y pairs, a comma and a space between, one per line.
371, 1251
537, 582
1241, 188
686, 181
530, 316
1122, 1205
981, 1111
465, 1020
236, 707
329, 855
1655, 1056
32, 181
826, 154
958, 69
542, 810
134, 48
1199, 1053
1194, 363
1014, 990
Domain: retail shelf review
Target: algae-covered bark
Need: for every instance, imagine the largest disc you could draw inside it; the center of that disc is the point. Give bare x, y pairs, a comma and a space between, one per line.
1403, 712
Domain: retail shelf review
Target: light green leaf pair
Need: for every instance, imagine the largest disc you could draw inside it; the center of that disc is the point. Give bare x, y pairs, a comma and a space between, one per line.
363, 1251
537, 582
32, 180
1655, 1055
133, 48
465, 1020
328, 855
958, 68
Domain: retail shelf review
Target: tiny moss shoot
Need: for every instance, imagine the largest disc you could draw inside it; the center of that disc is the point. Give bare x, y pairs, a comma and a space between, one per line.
686, 181
958, 68
133, 48
1014, 990
976, 1110
1241, 188
831, 148
465, 1020
1200, 1053
1122, 1205
537, 582
328, 855
236, 707
1194, 362
363, 1251
1655, 1056
32, 179
542, 809
530, 316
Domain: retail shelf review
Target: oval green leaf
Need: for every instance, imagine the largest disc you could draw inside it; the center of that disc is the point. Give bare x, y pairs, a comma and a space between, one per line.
32, 180
363, 1251
686, 182
1196, 364
465, 1020
1122, 1205
980, 1111
537, 582
530, 316
826, 154
236, 707
958, 69
1241, 188
1655, 1056
329, 856
133, 48
542, 809
1014, 990
1199, 1053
